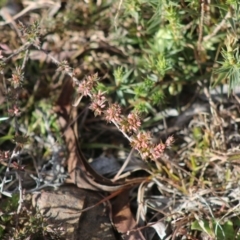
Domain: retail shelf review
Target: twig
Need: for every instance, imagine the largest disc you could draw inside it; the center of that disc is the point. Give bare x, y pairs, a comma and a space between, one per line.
21, 49
125, 135
25, 59
123, 166
20, 202
218, 28
116, 16
55, 61
200, 27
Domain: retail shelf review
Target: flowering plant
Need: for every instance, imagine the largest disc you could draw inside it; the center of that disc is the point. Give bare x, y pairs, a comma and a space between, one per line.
129, 125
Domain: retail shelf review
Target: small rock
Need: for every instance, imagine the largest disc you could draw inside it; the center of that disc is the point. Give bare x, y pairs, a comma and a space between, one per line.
62, 209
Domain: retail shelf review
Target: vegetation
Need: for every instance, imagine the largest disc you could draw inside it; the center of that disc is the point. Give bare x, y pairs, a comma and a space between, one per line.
160, 78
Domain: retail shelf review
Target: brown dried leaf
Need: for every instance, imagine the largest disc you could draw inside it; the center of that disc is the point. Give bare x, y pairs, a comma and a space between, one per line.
123, 219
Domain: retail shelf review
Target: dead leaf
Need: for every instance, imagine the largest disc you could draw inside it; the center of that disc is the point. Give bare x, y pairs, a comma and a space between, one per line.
123, 219
160, 228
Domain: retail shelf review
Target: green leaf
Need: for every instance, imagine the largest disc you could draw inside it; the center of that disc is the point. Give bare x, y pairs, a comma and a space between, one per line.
203, 226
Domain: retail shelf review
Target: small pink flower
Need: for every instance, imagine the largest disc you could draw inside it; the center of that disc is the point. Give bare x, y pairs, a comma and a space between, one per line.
134, 122
86, 86
17, 78
99, 99
113, 113
141, 140
131, 123
96, 109
158, 150
98, 103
